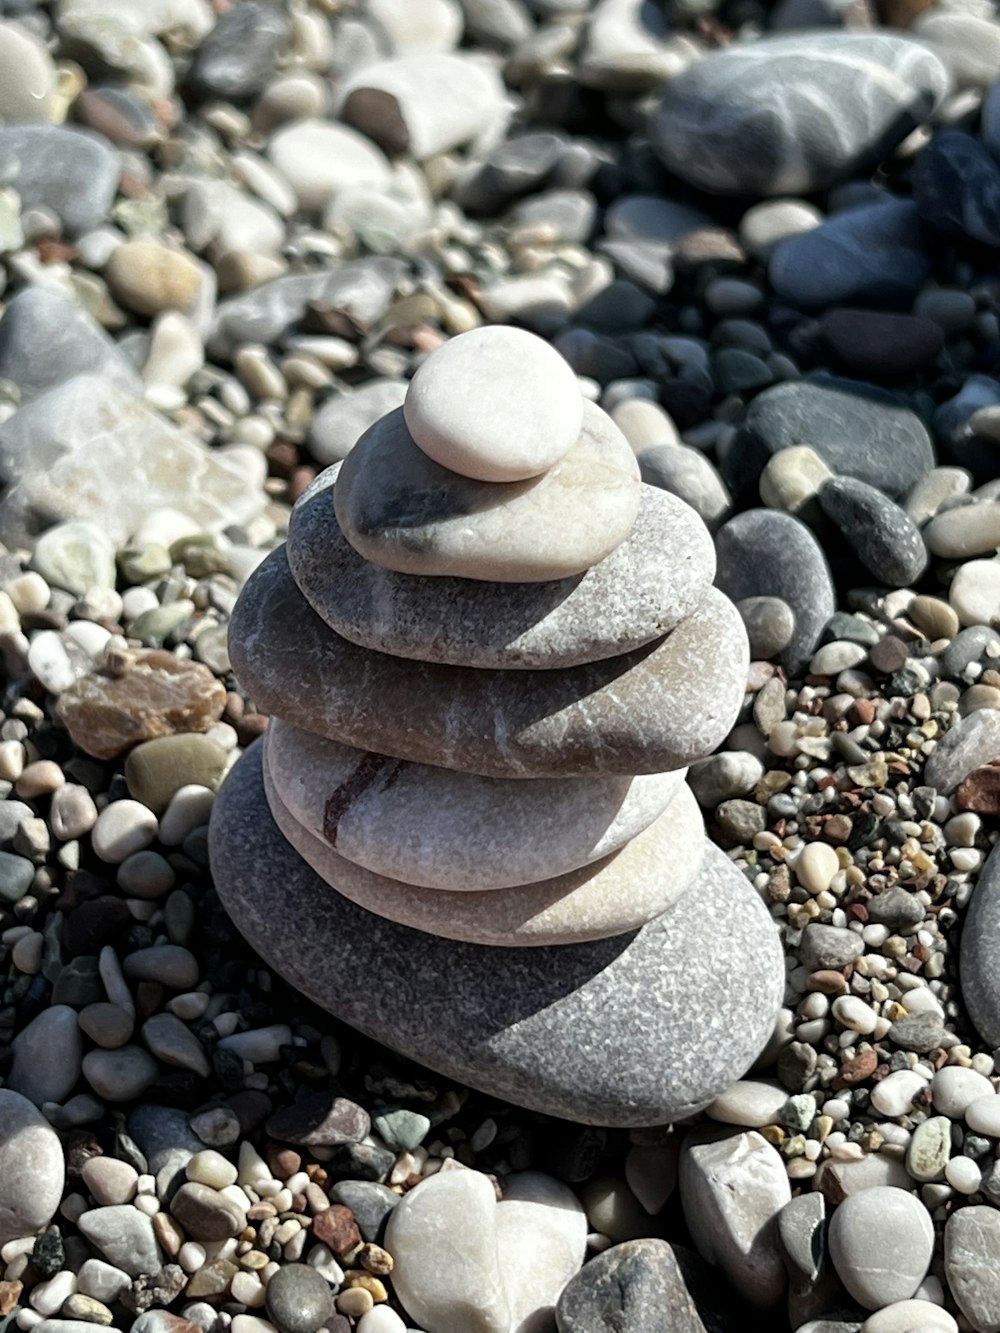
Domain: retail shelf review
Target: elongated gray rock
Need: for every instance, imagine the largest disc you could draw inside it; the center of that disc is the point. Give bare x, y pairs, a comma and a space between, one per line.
551, 1028
791, 115
32, 1170
46, 338
618, 894
446, 830
400, 509
657, 708
970, 742
979, 956
642, 590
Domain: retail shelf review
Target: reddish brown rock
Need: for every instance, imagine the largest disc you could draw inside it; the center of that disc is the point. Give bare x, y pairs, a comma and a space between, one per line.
856, 1070
139, 697
336, 1228
980, 791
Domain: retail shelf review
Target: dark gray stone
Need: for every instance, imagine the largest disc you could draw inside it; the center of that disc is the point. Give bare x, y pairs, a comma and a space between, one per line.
370, 1202
896, 908
971, 1241
73, 172
299, 1299
362, 288
956, 185
802, 1236
688, 474
515, 167
45, 338
238, 56
16, 874
766, 553
549, 1028
917, 1032
883, 536
857, 429
656, 708
979, 956
645, 587
828, 947
770, 624
629, 1287
878, 255
790, 115
320, 1118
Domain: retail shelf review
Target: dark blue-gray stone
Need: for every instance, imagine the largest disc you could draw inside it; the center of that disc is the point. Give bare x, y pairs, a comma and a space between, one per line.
46, 338
878, 255
956, 186
882, 535
16, 874
73, 172
238, 56
979, 955
629, 1287
550, 1028
954, 435
369, 1201
791, 115
857, 429
768, 553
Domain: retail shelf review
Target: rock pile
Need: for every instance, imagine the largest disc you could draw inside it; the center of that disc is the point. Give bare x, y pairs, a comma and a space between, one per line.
489, 656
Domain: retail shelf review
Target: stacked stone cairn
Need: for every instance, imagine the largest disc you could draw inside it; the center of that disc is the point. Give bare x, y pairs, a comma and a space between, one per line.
489, 652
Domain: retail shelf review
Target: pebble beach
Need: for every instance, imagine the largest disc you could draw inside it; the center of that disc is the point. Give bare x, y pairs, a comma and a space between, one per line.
706, 291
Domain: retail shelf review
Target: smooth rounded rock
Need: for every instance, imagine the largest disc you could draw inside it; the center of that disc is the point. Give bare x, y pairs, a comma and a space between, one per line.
881, 1241
27, 77
789, 115
342, 419
629, 1286
979, 956
975, 592
687, 473
494, 404
403, 511
47, 1056
646, 586
445, 830
914, 1316
883, 535
654, 709
299, 1299
32, 1171
968, 530
547, 1028
319, 158
619, 894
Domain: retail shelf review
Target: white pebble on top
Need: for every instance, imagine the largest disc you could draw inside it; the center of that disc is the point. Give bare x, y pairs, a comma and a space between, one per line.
495, 404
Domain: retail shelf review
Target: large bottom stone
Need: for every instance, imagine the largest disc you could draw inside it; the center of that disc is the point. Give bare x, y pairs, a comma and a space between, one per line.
634, 1030
979, 958
618, 894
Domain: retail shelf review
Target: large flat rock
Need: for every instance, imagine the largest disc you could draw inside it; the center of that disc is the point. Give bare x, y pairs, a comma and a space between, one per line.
979, 957
639, 592
656, 708
638, 1029
619, 894
448, 830
400, 509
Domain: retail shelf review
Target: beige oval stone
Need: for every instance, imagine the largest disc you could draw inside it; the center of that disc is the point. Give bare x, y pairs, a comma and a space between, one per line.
617, 895
656, 708
400, 509
445, 830
150, 278
28, 86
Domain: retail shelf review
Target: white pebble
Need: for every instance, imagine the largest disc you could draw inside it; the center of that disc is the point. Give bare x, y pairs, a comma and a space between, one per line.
28, 592
381, 1320
894, 1095
191, 1256
954, 1088
963, 1175
816, 866
47, 1297
211, 1168
983, 1116
123, 828
854, 1014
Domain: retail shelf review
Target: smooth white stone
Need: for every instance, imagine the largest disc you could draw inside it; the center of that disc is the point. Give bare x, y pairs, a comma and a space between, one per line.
881, 1242
894, 1095
318, 158
954, 1088
983, 1115
750, 1102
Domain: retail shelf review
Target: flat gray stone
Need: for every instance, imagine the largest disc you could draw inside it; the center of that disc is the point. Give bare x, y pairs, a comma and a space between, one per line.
885, 538
343, 418
656, 708
444, 830
648, 584
970, 742
400, 509
73, 172
125, 1237
979, 956
765, 553
47, 1056
46, 339
618, 894
629, 1286
971, 1245
791, 115
550, 1028
32, 1170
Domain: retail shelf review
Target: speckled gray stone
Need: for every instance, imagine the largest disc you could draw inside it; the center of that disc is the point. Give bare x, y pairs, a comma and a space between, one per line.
886, 540
979, 957
791, 115
656, 708
971, 1245
687, 473
444, 830
765, 553
400, 509
646, 586
970, 742
881, 1241
32, 1171
553, 1028
618, 894
629, 1286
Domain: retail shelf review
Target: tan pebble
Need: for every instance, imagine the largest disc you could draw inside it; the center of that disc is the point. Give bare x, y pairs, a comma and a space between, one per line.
816, 866
354, 1302
168, 1233
149, 278
375, 1259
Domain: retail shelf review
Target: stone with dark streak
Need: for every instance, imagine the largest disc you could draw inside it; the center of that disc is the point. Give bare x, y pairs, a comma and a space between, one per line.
444, 830
638, 1029
656, 708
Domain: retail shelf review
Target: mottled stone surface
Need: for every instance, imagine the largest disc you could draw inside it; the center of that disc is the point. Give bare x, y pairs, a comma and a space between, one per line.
881, 1241
857, 429
551, 1028
790, 115
629, 1286
403, 511
645, 587
971, 1246
656, 708
616, 895
885, 538
445, 830
979, 958
969, 743
32, 1171
765, 553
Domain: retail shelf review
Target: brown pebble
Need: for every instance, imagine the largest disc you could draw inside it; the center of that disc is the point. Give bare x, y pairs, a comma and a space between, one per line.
827, 982
283, 1162
861, 713
889, 655
10, 1293
837, 829
856, 1070
336, 1228
980, 791
375, 1260
251, 727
